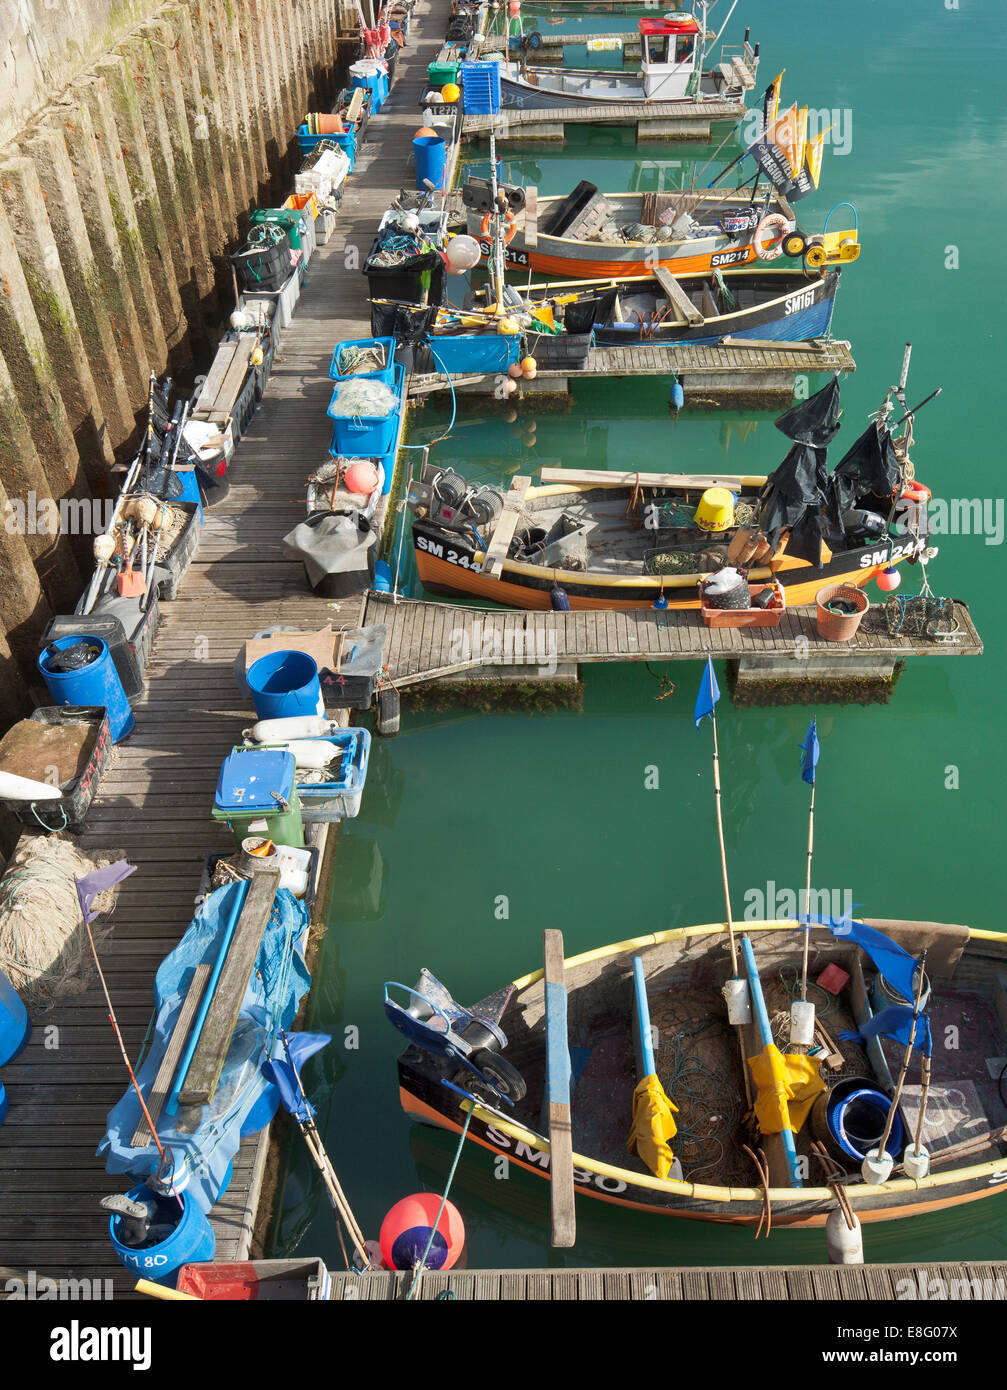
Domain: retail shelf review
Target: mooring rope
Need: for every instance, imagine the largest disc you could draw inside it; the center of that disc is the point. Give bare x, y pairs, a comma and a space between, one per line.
419, 1268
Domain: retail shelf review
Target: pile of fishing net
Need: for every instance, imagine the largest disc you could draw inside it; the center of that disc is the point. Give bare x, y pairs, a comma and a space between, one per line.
363, 396
44, 950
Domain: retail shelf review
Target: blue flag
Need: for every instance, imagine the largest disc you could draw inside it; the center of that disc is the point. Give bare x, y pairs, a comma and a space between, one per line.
284, 1073
809, 753
896, 965
895, 1023
709, 694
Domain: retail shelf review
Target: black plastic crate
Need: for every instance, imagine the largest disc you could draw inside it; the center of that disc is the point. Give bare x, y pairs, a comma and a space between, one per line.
126, 659
70, 811
560, 349
211, 861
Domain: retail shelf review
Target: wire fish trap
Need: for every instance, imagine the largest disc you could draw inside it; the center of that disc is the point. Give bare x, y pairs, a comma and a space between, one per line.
921, 615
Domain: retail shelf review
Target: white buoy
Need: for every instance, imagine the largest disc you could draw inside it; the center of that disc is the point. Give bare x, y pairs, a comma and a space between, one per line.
739, 1003
915, 1165
103, 547
311, 753
876, 1169
294, 726
802, 1022
845, 1247
14, 788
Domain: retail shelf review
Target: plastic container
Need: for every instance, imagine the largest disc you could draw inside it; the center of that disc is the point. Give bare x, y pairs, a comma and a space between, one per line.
15, 1025
480, 84
370, 74
285, 684
475, 352
385, 374
440, 74
3, 1103
190, 1242
366, 436
97, 683
354, 684
211, 861
69, 811
430, 155
850, 1130
840, 627
250, 781
256, 1281
129, 662
560, 349
738, 1001
340, 798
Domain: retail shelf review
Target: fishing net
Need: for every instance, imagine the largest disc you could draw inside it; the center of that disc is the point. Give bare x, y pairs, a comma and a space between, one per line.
353, 358
44, 950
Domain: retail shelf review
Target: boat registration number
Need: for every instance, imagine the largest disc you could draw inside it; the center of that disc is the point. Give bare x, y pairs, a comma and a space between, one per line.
730, 257
453, 557
514, 257
890, 555
797, 302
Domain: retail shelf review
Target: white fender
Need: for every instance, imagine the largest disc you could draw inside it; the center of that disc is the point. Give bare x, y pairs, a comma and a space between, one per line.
26, 789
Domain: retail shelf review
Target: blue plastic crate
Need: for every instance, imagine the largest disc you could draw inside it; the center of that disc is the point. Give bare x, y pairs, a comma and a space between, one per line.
347, 141
366, 436
339, 799
481, 88
475, 352
385, 374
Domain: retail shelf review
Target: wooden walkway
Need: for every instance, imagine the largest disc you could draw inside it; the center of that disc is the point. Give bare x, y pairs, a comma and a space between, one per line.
154, 803
428, 640
695, 365
779, 1284
693, 117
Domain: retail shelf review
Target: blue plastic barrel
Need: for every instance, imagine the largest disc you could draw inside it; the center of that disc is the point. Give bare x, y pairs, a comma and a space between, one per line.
285, 684
97, 683
429, 159
191, 1242
15, 1025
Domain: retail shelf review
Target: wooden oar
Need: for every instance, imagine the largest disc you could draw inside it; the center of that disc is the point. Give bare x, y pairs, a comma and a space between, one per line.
564, 1222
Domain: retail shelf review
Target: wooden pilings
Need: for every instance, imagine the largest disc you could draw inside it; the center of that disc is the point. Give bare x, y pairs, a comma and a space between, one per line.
120, 203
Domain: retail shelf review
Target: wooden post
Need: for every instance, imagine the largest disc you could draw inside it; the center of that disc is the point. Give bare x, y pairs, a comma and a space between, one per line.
564, 1223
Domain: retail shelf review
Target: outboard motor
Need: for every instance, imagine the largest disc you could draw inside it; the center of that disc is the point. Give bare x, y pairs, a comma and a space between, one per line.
862, 526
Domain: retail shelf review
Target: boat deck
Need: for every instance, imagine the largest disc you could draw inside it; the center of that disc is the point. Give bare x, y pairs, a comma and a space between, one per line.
427, 640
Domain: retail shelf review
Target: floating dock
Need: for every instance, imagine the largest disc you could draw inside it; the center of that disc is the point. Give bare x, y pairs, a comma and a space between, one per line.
740, 1284
654, 120
728, 373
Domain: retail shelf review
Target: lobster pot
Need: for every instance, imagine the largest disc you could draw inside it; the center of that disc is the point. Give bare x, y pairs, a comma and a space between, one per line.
728, 588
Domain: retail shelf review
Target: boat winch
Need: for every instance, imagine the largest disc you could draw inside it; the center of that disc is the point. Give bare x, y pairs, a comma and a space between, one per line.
434, 1022
449, 501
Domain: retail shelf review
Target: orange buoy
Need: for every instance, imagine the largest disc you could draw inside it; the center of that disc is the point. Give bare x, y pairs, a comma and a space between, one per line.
889, 579
424, 130
407, 1228
361, 477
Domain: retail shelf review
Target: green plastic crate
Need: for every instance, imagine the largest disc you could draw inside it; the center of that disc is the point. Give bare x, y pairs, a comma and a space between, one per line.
440, 74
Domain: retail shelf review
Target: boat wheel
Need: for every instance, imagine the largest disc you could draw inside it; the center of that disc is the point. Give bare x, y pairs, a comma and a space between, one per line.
499, 1073
794, 244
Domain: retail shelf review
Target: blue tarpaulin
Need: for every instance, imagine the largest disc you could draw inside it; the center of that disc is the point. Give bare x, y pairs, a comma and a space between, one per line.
279, 981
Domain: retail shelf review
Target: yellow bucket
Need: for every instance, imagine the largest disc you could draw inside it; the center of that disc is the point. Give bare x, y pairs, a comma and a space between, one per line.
716, 510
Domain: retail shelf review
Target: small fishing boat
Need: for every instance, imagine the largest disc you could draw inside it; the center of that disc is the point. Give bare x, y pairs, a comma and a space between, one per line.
587, 233
492, 1070
630, 539
789, 305
672, 69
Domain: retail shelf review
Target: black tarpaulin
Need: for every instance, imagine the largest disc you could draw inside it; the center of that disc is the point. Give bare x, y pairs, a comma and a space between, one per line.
814, 421
869, 469
798, 495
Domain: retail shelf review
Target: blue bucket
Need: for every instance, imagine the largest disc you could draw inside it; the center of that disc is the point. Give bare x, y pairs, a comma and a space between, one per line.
857, 1121
429, 160
97, 683
191, 1242
15, 1025
285, 684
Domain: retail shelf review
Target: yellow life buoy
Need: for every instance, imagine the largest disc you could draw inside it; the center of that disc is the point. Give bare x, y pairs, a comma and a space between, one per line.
769, 234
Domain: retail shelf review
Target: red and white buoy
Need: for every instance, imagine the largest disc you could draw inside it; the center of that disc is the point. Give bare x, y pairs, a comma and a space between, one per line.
406, 1231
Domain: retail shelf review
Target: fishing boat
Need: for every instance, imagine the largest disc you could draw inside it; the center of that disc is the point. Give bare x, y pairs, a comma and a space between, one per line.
492, 1071
672, 69
631, 539
788, 305
587, 233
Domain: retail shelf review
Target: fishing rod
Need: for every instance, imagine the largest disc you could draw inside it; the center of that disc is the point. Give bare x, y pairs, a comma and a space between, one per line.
916, 408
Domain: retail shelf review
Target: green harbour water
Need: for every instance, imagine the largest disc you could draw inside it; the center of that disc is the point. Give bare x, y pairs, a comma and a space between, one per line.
550, 810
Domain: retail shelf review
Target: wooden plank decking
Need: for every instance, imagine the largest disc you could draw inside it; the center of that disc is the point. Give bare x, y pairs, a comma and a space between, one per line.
511, 120
429, 640
741, 1284
154, 802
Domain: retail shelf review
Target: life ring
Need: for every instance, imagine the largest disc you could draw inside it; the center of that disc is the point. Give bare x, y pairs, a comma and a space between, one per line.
484, 226
772, 222
916, 491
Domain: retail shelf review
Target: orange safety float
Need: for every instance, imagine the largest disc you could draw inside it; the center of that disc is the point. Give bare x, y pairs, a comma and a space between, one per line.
484, 226
915, 491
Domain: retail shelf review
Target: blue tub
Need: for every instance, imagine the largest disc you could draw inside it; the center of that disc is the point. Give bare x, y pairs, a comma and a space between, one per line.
284, 684
385, 374
366, 436
339, 799
15, 1025
95, 684
191, 1242
857, 1121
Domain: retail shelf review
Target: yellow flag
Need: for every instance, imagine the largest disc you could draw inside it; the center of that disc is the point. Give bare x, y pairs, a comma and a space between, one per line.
784, 133
813, 156
797, 163
771, 104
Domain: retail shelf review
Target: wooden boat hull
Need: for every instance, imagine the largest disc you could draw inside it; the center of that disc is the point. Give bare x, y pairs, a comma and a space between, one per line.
451, 564
423, 1097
